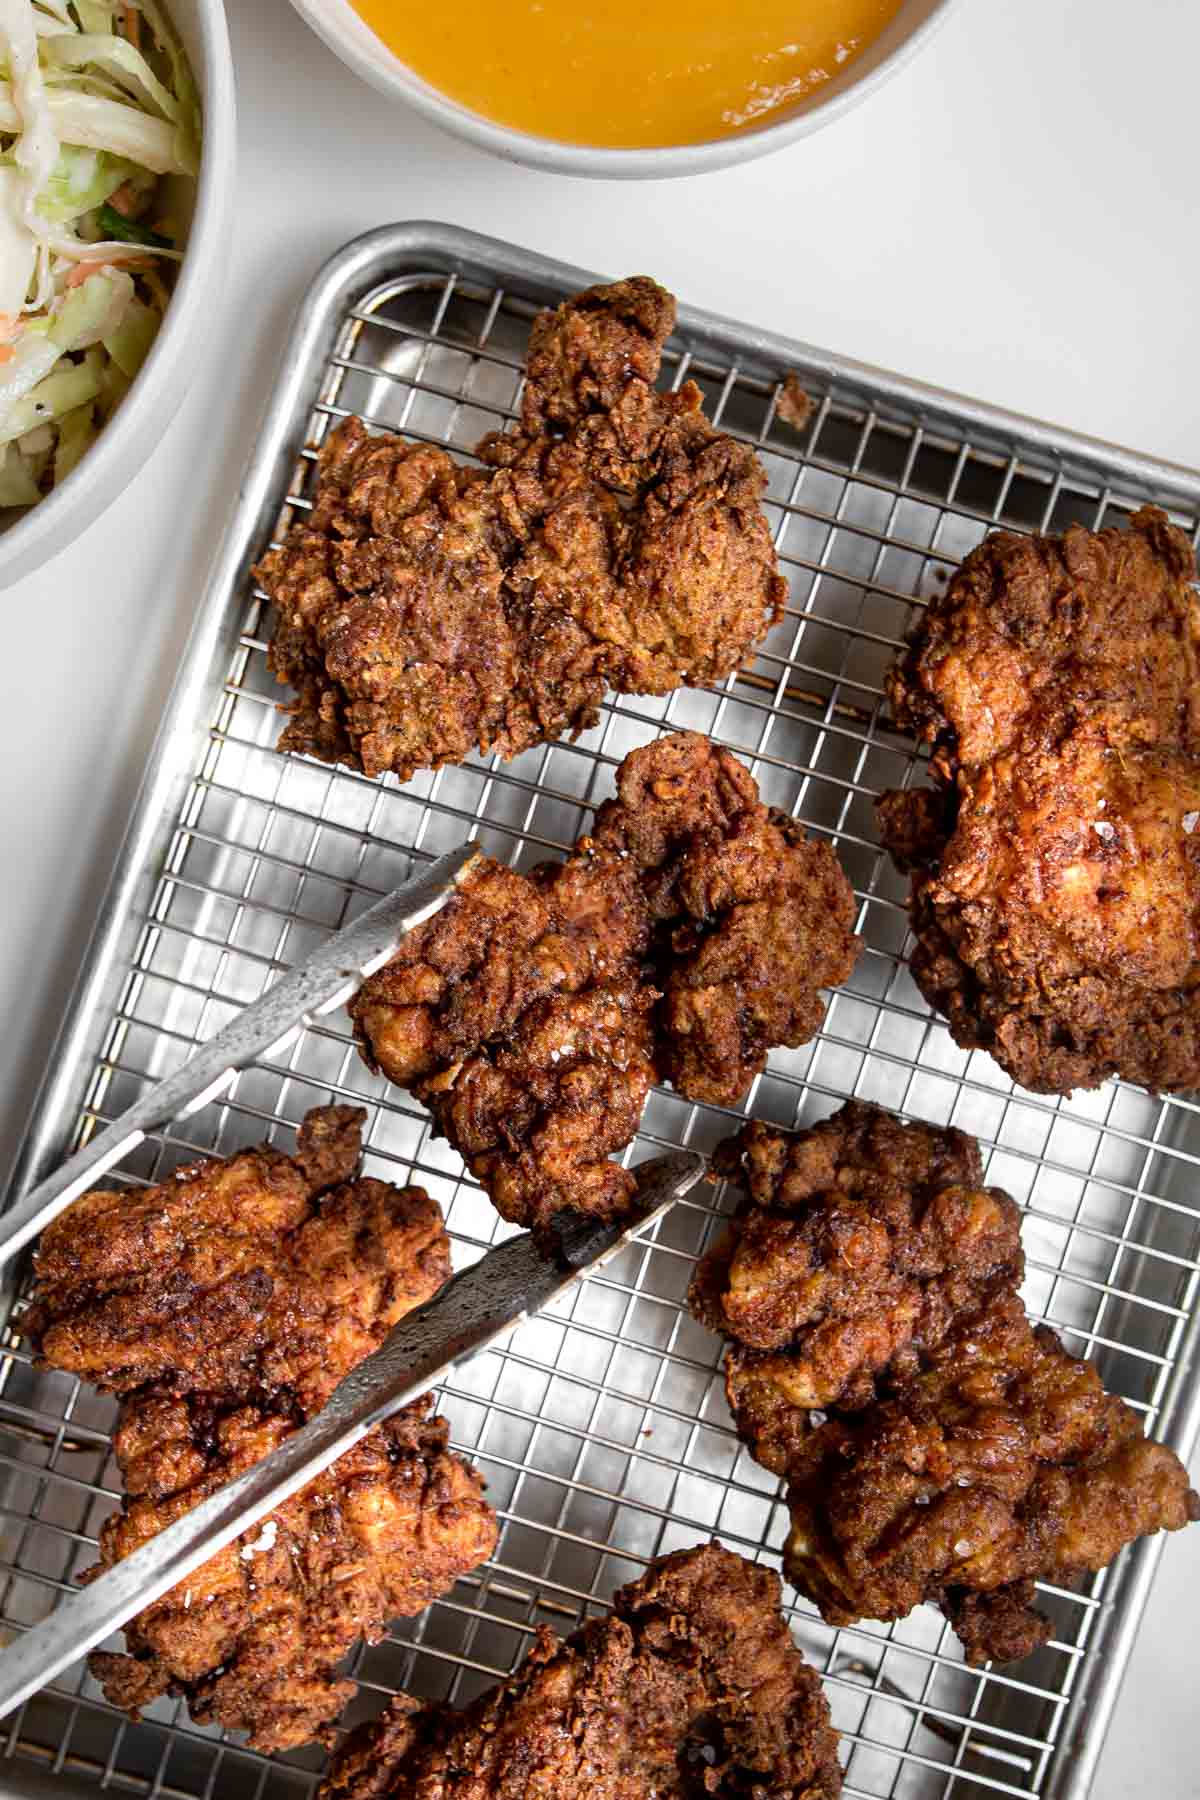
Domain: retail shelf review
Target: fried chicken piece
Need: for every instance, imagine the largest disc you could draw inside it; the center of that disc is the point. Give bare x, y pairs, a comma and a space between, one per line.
1004, 1462
677, 586
1056, 874
691, 1686
520, 1016
537, 1119
687, 936
937, 1445
675, 589
584, 357
676, 792
863, 1241
242, 1275
755, 917
697, 586
226, 1305
504, 942
253, 1639
393, 626
425, 610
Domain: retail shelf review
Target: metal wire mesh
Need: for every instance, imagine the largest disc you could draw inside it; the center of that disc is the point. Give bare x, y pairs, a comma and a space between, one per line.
602, 1428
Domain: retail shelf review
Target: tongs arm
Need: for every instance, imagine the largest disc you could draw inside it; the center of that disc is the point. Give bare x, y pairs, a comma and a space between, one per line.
320, 984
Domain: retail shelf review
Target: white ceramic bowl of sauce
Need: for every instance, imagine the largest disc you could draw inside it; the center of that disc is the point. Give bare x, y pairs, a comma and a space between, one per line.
786, 96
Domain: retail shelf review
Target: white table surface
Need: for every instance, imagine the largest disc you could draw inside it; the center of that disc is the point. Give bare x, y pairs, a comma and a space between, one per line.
1013, 217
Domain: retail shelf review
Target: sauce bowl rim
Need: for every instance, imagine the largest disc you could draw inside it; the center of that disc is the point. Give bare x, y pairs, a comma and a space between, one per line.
347, 34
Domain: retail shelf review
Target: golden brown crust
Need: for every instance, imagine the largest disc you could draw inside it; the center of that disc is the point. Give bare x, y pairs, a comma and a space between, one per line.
769, 923
583, 355
521, 1016
691, 1685
425, 610
1004, 1462
253, 1639
938, 1447
225, 1305
863, 1242
392, 623
685, 938
1056, 866
536, 1118
238, 1274
753, 917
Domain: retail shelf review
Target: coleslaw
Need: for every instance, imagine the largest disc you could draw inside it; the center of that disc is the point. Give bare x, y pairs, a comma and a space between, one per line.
97, 110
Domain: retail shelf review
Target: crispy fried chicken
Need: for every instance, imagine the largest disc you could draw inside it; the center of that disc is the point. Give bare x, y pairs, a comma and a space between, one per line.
425, 609
692, 1686
1005, 1462
253, 1639
224, 1306
753, 917
519, 1016
1056, 866
257, 1274
863, 1241
937, 1445
832, 1306
687, 936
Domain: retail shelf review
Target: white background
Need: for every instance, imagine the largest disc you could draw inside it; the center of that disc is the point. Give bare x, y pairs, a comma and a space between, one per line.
1014, 217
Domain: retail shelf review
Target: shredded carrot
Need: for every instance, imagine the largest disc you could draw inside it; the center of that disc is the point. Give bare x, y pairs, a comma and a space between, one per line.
131, 21
82, 270
6, 353
124, 200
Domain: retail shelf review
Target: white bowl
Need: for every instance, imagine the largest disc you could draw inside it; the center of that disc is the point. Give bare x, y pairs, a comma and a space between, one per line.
350, 38
33, 537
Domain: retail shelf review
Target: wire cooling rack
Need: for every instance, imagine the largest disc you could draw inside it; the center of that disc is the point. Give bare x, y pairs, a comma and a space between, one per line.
601, 1428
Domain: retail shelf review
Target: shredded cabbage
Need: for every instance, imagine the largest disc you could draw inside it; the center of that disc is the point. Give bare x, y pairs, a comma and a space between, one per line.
129, 69
17, 486
129, 342
97, 105
95, 15
76, 434
70, 385
36, 149
34, 355
103, 124
93, 311
82, 180
18, 247
188, 132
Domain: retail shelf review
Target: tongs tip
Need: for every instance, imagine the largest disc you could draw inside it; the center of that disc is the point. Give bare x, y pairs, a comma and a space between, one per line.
584, 1241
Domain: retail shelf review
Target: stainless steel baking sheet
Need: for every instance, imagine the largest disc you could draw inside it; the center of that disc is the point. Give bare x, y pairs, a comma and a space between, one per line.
603, 1433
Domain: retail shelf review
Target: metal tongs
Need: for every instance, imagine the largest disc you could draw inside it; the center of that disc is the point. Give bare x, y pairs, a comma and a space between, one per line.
474, 1311
320, 984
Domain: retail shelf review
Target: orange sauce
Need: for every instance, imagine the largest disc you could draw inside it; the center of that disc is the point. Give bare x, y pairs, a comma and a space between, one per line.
627, 73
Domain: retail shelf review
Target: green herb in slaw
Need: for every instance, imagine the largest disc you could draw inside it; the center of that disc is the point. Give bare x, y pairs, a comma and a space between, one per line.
97, 110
